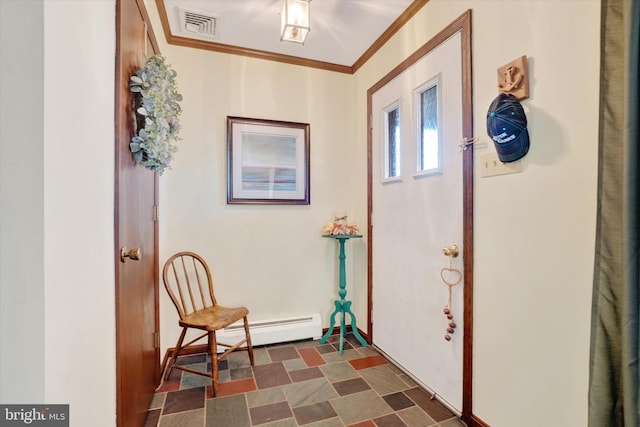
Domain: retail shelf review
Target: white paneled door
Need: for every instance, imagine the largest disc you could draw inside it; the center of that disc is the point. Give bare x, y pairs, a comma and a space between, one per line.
417, 210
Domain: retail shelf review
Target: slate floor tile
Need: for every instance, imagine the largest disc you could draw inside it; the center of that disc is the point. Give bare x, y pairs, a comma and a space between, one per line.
383, 379
271, 375
303, 383
279, 354
270, 412
226, 411
313, 413
181, 419
368, 362
434, 408
305, 374
362, 406
339, 371
311, 357
354, 385
391, 420
184, 400
398, 401
309, 392
416, 417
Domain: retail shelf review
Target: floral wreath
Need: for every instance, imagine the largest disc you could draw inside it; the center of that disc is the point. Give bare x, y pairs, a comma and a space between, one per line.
157, 115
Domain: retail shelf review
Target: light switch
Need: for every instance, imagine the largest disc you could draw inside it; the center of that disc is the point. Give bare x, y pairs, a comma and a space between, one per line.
490, 165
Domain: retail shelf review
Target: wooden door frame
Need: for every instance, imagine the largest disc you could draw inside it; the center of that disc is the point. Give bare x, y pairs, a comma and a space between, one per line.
122, 112
463, 25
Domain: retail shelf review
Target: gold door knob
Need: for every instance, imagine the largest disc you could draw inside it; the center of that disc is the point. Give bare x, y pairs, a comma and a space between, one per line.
451, 251
133, 254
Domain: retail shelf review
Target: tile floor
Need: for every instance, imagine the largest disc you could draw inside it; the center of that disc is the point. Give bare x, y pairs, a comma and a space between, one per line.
303, 383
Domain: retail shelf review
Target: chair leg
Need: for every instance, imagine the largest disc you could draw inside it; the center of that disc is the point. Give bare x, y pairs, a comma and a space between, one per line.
249, 345
174, 356
213, 349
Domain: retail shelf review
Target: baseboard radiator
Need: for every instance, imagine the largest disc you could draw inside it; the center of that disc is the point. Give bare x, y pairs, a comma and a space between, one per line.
275, 330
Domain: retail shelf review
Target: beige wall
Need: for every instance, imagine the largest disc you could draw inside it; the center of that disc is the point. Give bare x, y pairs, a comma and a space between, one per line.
21, 202
273, 258
534, 231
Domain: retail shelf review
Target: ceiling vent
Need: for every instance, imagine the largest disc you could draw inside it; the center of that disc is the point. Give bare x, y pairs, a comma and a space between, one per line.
196, 22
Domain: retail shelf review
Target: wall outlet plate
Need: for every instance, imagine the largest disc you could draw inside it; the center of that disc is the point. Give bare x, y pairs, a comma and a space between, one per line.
490, 165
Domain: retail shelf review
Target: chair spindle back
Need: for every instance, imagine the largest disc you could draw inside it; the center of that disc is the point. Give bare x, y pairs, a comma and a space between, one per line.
188, 282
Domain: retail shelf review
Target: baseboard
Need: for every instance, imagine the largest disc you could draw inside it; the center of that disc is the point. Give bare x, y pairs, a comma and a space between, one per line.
336, 331
477, 422
204, 348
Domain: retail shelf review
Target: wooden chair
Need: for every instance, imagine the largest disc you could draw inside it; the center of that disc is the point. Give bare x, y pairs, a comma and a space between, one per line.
188, 281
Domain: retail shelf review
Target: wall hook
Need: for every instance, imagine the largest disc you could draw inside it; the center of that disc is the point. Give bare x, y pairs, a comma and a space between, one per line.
513, 78
467, 142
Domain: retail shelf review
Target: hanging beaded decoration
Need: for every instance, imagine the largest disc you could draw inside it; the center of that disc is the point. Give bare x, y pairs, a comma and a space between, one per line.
451, 277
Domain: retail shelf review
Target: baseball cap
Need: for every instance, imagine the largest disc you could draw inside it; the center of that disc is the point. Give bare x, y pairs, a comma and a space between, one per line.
507, 127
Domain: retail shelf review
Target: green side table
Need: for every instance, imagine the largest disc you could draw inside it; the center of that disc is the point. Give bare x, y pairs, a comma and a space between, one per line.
343, 306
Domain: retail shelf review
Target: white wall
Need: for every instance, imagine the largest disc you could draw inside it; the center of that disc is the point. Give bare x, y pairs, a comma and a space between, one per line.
57, 176
21, 202
534, 231
79, 92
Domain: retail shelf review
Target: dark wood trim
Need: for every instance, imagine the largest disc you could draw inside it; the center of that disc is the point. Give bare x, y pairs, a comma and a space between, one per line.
468, 203
243, 51
349, 328
119, 122
390, 32
463, 25
370, 93
288, 59
156, 203
477, 422
151, 34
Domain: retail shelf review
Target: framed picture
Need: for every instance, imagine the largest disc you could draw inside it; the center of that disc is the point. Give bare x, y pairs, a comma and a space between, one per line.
267, 162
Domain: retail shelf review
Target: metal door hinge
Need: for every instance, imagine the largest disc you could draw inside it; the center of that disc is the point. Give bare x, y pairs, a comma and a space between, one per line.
156, 340
155, 213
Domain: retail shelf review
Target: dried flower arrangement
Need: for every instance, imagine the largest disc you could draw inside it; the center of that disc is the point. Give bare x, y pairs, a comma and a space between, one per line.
340, 227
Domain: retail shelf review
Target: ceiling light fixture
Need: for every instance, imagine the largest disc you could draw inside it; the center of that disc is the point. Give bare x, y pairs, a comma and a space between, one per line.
294, 20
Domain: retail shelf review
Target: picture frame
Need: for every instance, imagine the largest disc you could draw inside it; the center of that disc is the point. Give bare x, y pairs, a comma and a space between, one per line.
267, 162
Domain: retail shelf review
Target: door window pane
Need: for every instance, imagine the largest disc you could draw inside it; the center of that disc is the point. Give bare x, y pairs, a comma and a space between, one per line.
429, 141
392, 142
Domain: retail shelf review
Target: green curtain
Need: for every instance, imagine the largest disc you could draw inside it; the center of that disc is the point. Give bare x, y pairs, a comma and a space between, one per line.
614, 372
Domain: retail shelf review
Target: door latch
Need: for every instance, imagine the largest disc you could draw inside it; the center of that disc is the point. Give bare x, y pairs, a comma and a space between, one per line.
451, 251
133, 254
